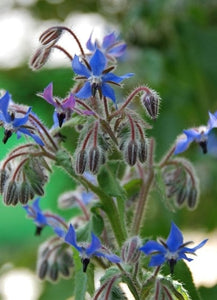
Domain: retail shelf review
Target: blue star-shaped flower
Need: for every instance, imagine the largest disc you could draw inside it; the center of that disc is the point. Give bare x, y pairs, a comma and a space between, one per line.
87, 251
170, 251
111, 46
12, 124
42, 219
199, 135
97, 77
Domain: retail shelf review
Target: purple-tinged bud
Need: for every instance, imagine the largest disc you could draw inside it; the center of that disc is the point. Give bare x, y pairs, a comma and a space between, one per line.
81, 161
94, 159
131, 153
3, 178
143, 151
51, 36
192, 198
11, 194
151, 101
43, 268
130, 252
39, 58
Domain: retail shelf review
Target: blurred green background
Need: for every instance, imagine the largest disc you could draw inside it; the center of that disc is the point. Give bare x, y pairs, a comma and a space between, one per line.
172, 46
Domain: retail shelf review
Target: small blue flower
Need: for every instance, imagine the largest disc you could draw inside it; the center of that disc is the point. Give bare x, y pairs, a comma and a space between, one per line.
61, 107
97, 77
12, 124
111, 46
87, 251
170, 251
199, 135
42, 219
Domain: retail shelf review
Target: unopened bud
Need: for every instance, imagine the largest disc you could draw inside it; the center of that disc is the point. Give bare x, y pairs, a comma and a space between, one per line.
192, 198
181, 196
11, 194
130, 252
131, 152
94, 159
37, 188
81, 161
64, 270
53, 272
50, 36
39, 58
43, 268
3, 178
26, 193
143, 150
151, 101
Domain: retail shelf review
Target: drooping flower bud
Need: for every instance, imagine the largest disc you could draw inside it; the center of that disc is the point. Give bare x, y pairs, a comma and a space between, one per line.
26, 193
42, 269
3, 178
51, 36
11, 193
54, 271
131, 152
81, 161
39, 58
151, 101
142, 151
192, 198
130, 252
94, 159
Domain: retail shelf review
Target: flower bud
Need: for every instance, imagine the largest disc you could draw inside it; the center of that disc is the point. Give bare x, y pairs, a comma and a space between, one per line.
50, 36
81, 161
151, 101
143, 149
181, 196
11, 193
26, 193
192, 198
3, 178
43, 268
53, 272
39, 58
94, 159
130, 252
131, 152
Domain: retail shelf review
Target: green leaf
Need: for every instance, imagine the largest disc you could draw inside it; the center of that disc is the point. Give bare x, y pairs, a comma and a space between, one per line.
132, 187
80, 280
90, 279
97, 224
109, 183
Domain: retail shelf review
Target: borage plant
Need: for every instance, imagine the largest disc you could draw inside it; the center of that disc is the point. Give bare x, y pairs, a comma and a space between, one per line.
113, 167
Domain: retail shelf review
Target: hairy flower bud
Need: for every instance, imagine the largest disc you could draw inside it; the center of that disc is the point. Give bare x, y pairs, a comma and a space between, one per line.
51, 36
131, 152
81, 161
142, 151
3, 178
11, 194
39, 58
94, 159
151, 101
130, 252
181, 196
54, 271
26, 193
42, 269
192, 198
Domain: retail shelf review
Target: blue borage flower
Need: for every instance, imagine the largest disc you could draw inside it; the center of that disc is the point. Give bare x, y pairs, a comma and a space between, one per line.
42, 219
96, 77
12, 124
88, 250
170, 251
199, 135
111, 46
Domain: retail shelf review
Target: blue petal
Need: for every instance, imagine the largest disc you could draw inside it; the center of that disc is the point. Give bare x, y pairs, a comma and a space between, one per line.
35, 204
40, 219
97, 63
152, 246
17, 122
192, 250
212, 123
85, 91
70, 238
182, 145
175, 238
79, 68
90, 46
59, 231
94, 246
87, 197
183, 256
118, 51
69, 102
157, 260
34, 136
4, 102
111, 257
108, 40
114, 78
107, 91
